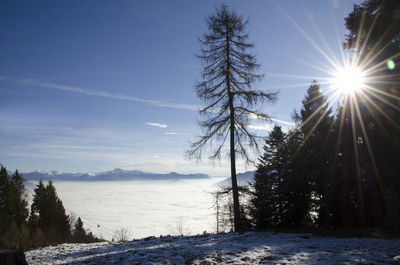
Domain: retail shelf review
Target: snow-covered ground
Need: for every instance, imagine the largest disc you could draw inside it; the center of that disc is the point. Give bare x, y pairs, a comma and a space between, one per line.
232, 248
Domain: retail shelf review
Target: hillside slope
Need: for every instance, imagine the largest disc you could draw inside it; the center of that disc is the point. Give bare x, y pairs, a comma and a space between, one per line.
247, 248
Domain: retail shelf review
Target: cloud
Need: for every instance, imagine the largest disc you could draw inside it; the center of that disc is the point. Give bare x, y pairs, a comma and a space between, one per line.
48, 146
170, 133
265, 127
283, 122
156, 124
91, 149
255, 117
99, 93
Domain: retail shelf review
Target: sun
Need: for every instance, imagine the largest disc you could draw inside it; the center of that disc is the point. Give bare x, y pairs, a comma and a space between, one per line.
349, 80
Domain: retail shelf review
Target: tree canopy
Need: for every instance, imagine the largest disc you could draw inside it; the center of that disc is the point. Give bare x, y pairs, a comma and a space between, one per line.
228, 75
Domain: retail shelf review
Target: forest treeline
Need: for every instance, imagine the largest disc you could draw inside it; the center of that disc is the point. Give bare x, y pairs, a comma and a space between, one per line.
341, 170
45, 224
321, 174
332, 170
339, 167
316, 176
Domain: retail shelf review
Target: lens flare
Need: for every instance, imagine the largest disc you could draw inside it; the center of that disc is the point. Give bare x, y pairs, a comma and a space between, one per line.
349, 80
390, 64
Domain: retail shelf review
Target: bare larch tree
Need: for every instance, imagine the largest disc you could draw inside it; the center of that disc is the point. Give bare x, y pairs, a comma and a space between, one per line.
228, 74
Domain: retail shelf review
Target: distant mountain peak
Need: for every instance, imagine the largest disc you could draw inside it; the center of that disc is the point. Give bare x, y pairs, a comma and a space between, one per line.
243, 179
52, 172
116, 174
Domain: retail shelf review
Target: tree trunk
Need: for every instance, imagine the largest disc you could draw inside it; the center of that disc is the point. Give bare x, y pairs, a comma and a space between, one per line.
392, 216
236, 208
392, 210
235, 192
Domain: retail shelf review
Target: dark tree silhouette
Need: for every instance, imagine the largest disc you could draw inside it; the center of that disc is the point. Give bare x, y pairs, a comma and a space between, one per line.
48, 214
20, 203
5, 213
13, 211
318, 149
266, 202
281, 190
374, 35
227, 78
79, 233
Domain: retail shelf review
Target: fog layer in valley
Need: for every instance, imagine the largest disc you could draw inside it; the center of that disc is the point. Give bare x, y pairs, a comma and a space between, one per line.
145, 208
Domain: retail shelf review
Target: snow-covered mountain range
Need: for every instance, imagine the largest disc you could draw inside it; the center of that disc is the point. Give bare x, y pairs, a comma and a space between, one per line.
121, 174
243, 179
113, 175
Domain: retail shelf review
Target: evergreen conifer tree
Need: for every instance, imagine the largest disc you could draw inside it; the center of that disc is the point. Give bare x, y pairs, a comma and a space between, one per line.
20, 207
5, 213
295, 188
13, 211
266, 202
318, 148
374, 30
228, 75
349, 189
48, 214
79, 233
4, 197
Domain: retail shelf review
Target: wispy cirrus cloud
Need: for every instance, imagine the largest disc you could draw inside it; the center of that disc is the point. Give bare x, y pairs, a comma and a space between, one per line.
255, 117
170, 133
156, 124
283, 122
265, 127
100, 93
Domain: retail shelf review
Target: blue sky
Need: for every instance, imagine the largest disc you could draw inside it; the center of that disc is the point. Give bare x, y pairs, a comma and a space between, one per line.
96, 85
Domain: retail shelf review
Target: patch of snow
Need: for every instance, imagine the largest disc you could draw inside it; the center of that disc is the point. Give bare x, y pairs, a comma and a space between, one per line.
247, 248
